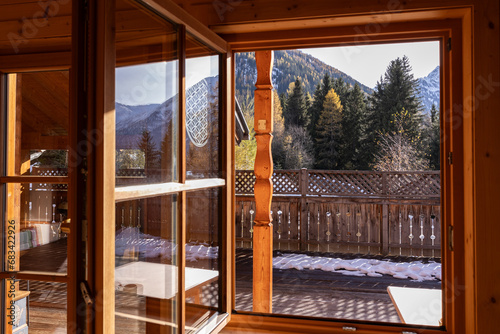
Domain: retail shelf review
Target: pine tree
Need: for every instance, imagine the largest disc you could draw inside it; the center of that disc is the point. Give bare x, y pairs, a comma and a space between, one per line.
148, 148
329, 133
278, 143
352, 129
317, 104
434, 140
292, 147
296, 111
341, 88
167, 155
396, 91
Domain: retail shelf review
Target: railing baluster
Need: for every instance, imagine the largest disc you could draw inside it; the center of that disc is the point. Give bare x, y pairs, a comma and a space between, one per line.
341, 194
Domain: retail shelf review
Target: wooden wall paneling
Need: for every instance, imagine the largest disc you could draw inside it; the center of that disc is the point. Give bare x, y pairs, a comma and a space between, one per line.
263, 188
482, 114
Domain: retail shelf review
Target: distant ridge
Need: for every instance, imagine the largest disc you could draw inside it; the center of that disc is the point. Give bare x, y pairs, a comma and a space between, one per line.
288, 65
430, 90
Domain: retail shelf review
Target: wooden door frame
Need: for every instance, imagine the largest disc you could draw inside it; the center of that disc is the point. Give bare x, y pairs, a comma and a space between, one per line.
456, 112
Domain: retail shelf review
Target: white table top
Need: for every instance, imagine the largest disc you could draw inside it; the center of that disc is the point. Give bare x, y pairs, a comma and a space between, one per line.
159, 280
417, 306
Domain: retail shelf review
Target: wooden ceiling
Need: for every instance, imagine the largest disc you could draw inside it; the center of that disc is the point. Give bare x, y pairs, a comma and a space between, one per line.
44, 107
33, 26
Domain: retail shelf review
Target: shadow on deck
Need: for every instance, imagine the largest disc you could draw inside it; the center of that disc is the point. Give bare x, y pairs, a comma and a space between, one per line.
316, 293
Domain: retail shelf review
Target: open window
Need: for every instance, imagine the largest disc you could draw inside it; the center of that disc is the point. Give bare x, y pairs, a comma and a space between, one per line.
447, 35
169, 175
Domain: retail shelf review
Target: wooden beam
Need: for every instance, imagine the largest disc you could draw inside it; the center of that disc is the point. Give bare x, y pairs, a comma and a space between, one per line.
173, 12
373, 20
263, 189
344, 36
35, 62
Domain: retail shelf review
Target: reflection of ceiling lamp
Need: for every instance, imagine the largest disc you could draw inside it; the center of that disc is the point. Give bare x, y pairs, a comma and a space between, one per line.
197, 113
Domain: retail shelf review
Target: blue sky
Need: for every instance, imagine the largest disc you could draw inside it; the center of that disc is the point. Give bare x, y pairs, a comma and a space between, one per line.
368, 62
157, 82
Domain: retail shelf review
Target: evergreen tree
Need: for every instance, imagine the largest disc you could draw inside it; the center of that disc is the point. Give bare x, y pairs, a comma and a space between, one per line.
329, 133
296, 111
341, 88
278, 143
292, 147
322, 89
352, 129
167, 158
282, 100
148, 148
433, 136
396, 91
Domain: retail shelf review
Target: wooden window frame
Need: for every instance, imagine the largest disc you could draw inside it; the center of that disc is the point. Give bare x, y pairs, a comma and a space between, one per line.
8, 72
103, 285
456, 124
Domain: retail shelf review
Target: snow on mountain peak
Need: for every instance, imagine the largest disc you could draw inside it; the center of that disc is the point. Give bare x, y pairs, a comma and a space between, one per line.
430, 90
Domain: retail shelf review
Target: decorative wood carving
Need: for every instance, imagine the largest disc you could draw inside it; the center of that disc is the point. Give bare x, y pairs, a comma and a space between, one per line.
263, 189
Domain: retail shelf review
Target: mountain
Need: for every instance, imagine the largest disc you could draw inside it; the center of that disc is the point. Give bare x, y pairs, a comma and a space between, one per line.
429, 90
288, 65
131, 121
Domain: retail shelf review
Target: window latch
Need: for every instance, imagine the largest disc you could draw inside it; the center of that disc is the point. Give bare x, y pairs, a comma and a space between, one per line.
85, 293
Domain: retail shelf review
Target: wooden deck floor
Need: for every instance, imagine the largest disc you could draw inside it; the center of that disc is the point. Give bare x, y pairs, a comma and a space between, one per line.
312, 293
315, 293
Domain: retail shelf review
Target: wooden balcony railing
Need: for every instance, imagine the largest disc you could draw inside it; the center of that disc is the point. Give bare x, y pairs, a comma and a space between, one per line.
389, 213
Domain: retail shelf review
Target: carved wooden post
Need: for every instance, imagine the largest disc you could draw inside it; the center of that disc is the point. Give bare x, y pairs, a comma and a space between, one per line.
263, 189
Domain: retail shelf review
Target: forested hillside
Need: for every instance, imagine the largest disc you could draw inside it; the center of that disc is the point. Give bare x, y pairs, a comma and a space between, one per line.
323, 119
288, 66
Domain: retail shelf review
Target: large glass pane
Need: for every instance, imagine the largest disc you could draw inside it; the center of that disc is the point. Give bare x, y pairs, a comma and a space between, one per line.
203, 147
356, 208
146, 265
146, 97
38, 123
37, 213
203, 271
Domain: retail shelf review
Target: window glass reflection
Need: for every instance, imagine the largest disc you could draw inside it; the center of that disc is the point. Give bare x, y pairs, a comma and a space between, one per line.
146, 274
146, 97
203, 275
203, 148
